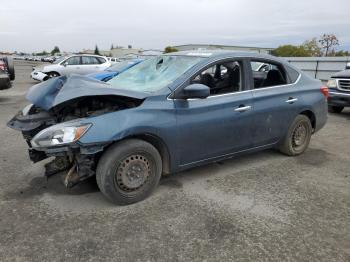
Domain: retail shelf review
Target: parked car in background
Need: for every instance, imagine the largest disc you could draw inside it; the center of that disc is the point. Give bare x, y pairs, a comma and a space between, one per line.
74, 64
49, 59
339, 91
167, 114
113, 60
114, 70
7, 72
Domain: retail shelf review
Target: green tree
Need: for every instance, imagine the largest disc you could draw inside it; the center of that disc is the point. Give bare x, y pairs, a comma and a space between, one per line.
328, 42
55, 50
290, 51
312, 47
170, 49
41, 53
97, 52
112, 47
342, 53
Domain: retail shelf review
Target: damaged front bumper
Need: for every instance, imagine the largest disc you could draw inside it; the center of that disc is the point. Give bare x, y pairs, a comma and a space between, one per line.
38, 76
78, 160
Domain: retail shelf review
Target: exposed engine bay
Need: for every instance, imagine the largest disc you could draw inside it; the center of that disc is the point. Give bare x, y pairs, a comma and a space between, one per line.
79, 161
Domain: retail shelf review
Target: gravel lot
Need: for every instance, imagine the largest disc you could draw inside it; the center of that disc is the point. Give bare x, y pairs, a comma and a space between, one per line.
260, 207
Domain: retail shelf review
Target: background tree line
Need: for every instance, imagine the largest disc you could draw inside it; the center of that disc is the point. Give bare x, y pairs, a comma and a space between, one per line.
323, 46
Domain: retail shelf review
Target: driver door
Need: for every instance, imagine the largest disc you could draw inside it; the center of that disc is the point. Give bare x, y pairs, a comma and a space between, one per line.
71, 65
218, 125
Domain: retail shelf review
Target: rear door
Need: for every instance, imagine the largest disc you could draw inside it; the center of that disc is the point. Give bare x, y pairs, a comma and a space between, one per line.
91, 64
276, 101
218, 125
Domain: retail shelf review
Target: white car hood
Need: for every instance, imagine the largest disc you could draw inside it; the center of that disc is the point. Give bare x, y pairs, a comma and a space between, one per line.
41, 68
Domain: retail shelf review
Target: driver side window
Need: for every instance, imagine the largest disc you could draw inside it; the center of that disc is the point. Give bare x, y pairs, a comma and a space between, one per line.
221, 78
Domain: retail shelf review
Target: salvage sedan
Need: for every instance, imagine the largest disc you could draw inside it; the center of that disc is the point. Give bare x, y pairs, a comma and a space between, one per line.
167, 114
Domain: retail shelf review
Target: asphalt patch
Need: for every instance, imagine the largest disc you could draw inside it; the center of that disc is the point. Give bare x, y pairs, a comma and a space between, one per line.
314, 157
41, 185
171, 182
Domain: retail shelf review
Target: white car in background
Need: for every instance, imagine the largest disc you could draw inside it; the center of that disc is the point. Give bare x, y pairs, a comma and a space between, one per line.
113, 60
74, 64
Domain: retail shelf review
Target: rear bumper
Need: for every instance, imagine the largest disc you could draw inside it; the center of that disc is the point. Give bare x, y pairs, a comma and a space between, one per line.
338, 98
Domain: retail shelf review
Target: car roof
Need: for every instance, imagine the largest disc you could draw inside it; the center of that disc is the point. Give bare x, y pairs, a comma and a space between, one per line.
86, 55
225, 53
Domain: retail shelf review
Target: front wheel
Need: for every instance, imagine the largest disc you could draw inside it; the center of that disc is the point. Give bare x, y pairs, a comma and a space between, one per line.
335, 109
129, 171
51, 75
298, 136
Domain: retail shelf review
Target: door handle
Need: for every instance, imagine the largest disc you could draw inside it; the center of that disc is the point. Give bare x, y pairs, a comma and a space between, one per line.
243, 108
291, 100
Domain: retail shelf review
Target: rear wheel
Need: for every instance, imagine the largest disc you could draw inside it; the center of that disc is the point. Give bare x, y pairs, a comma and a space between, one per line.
335, 109
298, 136
129, 171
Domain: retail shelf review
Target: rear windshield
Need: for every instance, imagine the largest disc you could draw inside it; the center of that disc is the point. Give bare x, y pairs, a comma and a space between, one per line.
154, 73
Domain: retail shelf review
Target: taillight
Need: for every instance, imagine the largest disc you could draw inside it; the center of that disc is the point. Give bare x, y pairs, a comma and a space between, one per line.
325, 91
2, 66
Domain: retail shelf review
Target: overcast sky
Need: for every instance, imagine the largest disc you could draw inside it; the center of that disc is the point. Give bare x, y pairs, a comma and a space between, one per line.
36, 25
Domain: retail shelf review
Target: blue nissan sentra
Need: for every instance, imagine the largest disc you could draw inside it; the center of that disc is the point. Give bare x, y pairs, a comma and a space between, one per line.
167, 114
114, 70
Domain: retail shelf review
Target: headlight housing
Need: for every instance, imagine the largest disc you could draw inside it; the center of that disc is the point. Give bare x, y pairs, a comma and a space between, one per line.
26, 109
60, 134
332, 83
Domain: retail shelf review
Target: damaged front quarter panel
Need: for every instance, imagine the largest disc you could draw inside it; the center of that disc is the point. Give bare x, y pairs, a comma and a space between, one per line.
60, 101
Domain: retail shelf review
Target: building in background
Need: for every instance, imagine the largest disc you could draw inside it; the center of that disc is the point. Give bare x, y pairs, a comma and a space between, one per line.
189, 47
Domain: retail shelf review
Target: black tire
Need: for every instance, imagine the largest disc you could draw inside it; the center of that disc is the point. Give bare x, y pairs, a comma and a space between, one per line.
298, 136
129, 171
10, 67
5, 82
51, 75
335, 109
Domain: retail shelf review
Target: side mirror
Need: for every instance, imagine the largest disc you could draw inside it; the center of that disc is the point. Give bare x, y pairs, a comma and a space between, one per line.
64, 64
195, 91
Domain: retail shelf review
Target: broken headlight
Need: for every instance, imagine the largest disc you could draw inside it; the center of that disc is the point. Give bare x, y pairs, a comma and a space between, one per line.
59, 135
26, 109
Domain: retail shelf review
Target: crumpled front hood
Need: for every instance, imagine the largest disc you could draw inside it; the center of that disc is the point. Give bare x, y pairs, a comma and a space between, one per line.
102, 75
342, 74
57, 90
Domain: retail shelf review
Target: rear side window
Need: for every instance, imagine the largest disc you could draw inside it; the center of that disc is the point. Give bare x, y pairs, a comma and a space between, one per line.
101, 60
267, 74
90, 60
292, 73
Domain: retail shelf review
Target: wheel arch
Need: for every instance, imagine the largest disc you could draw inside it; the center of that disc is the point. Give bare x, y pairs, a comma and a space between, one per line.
160, 145
53, 71
155, 141
311, 115
49, 72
